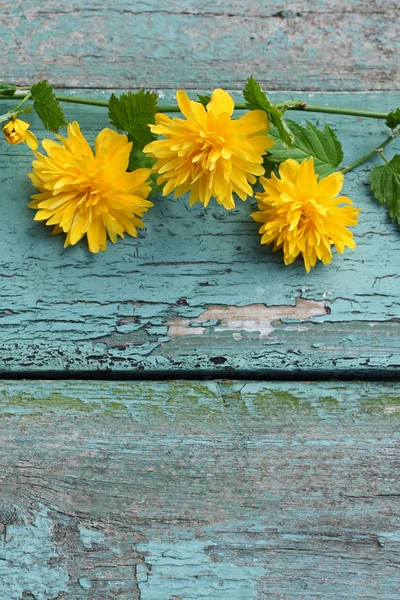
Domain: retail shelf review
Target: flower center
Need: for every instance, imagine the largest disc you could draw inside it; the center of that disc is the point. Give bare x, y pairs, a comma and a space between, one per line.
13, 132
311, 213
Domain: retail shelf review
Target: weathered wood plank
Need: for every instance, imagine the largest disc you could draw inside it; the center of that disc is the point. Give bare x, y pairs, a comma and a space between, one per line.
304, 44
196, 290
199, 490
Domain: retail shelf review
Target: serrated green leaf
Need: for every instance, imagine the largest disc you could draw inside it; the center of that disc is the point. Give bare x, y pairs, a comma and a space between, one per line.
47, 106
257, 99
385, 183
7, 90
393, 118
204, 99
133, 112
322, 145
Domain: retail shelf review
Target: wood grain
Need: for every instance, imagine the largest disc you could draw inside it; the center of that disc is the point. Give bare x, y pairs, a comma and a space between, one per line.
304, 44
183, 490
190, 490
196, 292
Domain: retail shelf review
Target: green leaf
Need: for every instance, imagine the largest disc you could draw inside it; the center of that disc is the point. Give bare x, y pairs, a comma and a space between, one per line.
14, 115
269, 165
25, 111
140, 160
6, 90
204, 99
323, 145
257, 99
393, 118
385, 183
133, 112
6, 117
47, 107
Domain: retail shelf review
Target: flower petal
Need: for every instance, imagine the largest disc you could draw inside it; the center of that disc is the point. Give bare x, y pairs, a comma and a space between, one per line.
303, 216
31, 140
85, 194
183, 102
331, 186
221, 102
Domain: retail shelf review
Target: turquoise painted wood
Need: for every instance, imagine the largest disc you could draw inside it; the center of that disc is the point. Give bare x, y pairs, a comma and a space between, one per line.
190, 490
196, 292
304, 44
199, 490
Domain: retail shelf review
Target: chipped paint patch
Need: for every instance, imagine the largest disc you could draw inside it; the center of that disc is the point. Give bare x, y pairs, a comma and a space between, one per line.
90, 537
251, 318
29, 562
187, 570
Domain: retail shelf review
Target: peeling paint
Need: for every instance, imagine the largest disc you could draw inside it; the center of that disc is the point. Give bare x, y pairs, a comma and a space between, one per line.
186, 569
112, 312
80, 36
29, 561
199, 489
90, 537
251, 318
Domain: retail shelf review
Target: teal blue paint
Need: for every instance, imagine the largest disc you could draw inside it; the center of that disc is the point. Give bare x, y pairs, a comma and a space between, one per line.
311, 45
85, 583
90, 537
203, 402
199, 489
29, 561
64, 309
186, 570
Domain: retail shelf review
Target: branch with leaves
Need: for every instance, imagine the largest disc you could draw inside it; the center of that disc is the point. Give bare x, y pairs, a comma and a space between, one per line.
286, 142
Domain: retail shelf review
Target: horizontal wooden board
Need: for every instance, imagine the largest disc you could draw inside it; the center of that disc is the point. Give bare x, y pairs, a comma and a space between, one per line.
304, 44
150, 491
196, 291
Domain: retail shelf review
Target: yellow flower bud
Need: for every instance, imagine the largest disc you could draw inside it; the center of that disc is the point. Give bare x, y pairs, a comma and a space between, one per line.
16, 131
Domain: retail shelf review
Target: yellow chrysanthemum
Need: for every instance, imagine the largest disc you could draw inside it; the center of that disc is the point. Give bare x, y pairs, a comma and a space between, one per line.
303, 215
16, 131
86, 193
209, 153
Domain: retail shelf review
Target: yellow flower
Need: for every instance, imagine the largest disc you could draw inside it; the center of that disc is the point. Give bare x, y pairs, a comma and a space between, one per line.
86, 193
16, 131
303, 215
209, 153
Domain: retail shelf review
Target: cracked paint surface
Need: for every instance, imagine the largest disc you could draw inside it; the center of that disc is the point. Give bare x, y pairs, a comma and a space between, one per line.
241, 37
199, 489
29, 561
194, 573
254, 318
175, 298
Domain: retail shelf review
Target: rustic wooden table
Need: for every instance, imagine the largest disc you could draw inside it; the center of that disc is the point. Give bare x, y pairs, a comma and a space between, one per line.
269, 480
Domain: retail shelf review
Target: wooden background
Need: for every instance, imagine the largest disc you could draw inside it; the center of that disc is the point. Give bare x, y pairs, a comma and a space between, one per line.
123, 473
297, 45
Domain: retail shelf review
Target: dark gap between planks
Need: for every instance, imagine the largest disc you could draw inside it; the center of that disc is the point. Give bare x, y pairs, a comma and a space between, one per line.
202, 374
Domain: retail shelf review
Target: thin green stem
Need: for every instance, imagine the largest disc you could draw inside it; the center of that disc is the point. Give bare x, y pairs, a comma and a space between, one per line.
336, 110
383, 157
373, 152
303, 107
12, 114
24, 99
297, 105
89, 101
